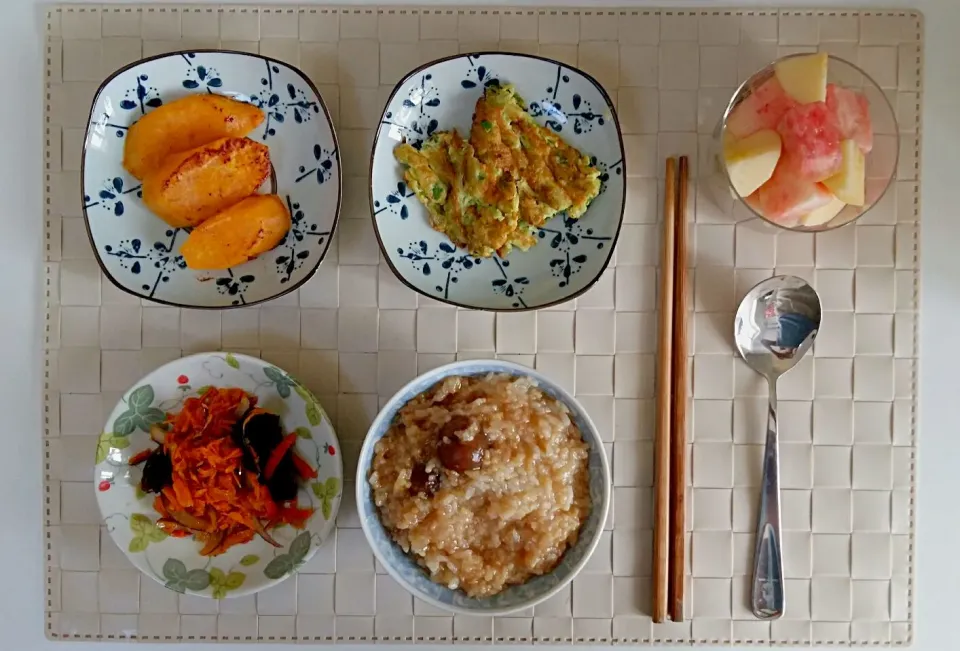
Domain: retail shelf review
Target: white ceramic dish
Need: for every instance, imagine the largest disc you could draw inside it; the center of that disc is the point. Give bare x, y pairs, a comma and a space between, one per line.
129, 515
570, 254
402, 568
139, 252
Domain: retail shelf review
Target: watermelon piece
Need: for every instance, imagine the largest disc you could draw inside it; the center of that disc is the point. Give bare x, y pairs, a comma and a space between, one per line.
754, 202
852, 113
761, 109
787, 196
812, 139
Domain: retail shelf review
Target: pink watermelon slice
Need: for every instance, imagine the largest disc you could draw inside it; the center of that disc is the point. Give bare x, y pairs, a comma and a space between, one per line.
761, 109
811, 139
852, 112
787, 195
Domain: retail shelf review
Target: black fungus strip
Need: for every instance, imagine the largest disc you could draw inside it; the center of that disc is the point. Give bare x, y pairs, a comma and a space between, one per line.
157, 472
261, 434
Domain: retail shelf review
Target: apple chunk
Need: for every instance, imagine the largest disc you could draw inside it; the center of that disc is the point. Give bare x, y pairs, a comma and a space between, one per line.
761, 109
804, 78
751, 161
822, 215
849, 184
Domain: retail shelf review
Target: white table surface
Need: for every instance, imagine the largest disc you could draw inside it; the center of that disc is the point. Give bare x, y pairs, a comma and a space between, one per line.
21, 79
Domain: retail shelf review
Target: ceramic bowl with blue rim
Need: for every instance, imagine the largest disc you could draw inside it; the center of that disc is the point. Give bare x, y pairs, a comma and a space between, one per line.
411, 576
570, 255
138, 251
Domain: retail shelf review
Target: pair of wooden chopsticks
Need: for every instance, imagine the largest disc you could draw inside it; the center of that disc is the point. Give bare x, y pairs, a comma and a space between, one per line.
670, 444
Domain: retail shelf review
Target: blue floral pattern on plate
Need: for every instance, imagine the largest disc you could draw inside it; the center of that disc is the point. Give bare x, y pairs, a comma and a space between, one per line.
138, 251
571, 254
402, 568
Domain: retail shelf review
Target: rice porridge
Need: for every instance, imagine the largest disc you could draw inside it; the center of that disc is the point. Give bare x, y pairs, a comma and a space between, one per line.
483, 481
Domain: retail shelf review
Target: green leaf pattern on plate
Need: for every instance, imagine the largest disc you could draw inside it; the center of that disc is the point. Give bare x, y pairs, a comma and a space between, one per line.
300, 546
284, 564
313, 410
325, 492
303, 393
181, 580
304, 433
223, 583
279, 567
231, 361
139, 415
280, 379
145, 532
249, 559
313, 414
108, 440
141, 397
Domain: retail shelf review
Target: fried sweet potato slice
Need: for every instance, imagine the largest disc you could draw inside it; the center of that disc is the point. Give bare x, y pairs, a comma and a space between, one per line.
185, 124
192, 186
238, 234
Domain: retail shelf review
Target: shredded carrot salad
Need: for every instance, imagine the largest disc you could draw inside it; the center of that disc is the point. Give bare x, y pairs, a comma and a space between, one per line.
213, 496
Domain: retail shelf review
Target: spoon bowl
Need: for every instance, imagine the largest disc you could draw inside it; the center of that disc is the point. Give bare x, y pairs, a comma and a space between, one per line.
775, 326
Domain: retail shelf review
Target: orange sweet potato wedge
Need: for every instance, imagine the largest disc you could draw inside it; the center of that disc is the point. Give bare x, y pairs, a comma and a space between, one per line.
184, 124
194, 185
238, 234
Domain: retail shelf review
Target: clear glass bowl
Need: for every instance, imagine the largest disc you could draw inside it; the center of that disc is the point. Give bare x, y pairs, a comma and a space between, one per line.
881, 162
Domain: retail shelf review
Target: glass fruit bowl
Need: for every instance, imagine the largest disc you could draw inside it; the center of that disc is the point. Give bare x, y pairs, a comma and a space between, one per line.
808, 143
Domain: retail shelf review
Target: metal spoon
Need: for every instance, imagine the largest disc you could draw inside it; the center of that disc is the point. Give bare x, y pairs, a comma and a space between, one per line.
776, 324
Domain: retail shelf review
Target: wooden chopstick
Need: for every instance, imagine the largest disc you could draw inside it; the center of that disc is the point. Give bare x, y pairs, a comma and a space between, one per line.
678, 427
661, 511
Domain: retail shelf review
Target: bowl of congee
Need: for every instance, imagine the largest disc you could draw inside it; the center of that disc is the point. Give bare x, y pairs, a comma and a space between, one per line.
483, 487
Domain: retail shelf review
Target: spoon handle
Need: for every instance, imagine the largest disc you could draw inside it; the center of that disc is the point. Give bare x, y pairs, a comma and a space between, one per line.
767, 600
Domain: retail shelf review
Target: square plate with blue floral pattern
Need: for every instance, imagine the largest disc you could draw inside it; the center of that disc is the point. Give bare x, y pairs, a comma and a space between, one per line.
570, 255
139, 252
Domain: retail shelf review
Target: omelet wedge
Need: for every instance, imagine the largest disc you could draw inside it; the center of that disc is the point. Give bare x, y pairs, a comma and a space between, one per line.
490, 193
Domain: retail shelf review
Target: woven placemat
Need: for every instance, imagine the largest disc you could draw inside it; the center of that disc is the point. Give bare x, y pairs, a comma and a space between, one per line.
354, 334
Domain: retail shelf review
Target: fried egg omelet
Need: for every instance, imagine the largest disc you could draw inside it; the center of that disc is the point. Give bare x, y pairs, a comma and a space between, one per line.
492, 192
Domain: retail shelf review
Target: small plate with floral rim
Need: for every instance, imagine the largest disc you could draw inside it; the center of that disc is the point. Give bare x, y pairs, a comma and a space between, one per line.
138, 251
570, 254
128, 512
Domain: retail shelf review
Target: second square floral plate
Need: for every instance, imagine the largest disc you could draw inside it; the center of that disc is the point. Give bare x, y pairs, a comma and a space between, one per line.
570, 255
